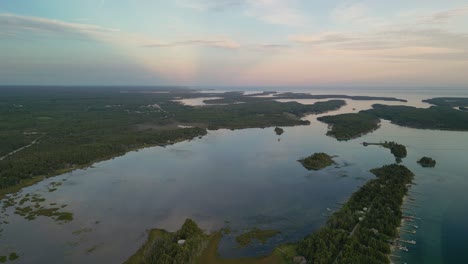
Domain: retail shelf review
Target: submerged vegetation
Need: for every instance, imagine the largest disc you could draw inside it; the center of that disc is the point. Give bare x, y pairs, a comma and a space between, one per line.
31, 206
427, 162
255, 234
317, 161
11, 257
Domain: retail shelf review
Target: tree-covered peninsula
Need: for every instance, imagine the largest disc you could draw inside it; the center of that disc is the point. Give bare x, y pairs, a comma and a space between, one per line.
181, 247
349, 126
360, 231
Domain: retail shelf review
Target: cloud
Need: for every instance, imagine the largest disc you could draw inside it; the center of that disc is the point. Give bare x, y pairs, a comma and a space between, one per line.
218, 43
322, 38
276, 12
421, 35
346, 13
16, 24
211, 5
442, 17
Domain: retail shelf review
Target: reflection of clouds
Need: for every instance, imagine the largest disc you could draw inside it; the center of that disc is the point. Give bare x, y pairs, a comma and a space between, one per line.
181, 153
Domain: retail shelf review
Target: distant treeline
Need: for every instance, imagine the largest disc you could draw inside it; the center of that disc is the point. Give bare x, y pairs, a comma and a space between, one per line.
349, 126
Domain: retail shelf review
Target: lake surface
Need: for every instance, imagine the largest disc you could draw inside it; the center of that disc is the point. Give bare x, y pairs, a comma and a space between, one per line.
245, 179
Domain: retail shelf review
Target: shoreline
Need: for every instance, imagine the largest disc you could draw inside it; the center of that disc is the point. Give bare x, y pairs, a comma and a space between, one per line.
36, 179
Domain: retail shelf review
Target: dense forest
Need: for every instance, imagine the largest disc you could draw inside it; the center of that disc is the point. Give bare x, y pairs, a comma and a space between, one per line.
360, 231
47, 130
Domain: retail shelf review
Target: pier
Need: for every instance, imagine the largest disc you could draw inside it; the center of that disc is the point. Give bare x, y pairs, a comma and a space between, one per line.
412, 242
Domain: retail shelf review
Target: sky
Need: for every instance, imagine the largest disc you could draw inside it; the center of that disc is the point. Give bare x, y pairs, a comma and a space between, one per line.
234, 42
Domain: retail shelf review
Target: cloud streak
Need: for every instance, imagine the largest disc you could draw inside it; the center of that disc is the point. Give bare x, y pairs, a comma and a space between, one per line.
14, 25
277, 12
19, 24
218, 43
422, 34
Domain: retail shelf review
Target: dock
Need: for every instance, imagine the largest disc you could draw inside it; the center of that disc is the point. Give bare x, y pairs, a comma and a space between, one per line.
412, 242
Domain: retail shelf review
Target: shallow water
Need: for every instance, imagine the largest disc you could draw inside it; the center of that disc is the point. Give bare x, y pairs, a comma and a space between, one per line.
250, 179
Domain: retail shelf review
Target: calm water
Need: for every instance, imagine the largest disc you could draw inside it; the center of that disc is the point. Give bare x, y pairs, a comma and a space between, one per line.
244, 179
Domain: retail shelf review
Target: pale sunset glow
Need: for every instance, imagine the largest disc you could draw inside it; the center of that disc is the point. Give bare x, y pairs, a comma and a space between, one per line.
234, 42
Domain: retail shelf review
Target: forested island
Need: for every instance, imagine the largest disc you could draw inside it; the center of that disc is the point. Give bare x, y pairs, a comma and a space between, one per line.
317, 161
427, 162
279, 131
240, 97
349, 126
354, 125
398, 150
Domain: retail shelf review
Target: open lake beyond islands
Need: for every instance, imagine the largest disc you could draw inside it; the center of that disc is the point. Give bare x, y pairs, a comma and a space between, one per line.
171, 175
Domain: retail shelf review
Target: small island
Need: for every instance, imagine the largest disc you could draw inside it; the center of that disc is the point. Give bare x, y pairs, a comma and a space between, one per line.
398, 150
279, 131
261, 235
317, 161
427, 162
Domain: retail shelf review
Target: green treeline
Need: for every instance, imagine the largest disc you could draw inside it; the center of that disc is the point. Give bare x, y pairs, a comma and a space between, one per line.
435, 117
359, 232
448, 101
163, 247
